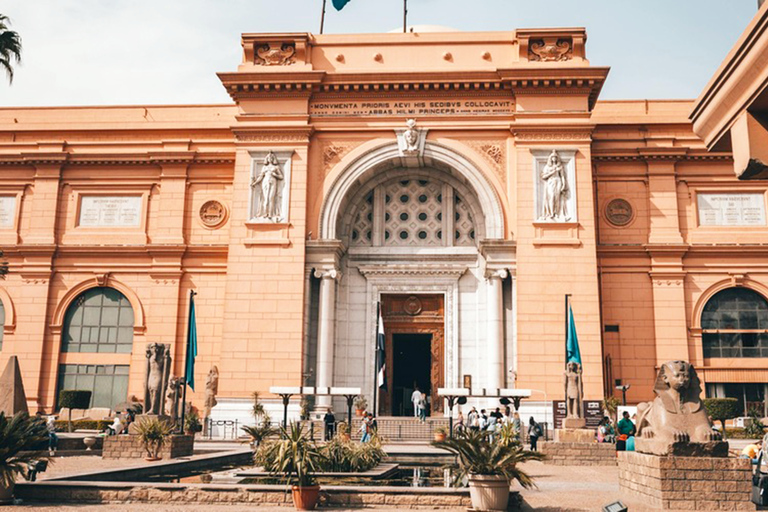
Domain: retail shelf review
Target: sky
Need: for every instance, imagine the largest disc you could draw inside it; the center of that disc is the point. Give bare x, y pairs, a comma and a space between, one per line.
129, 52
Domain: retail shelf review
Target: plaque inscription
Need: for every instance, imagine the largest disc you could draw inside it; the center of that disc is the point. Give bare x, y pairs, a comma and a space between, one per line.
416, 108
7, 211
734, 209
110, 211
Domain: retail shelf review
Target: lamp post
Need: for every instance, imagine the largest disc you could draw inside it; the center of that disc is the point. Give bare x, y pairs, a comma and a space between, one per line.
285, 393
623, 388
454, 396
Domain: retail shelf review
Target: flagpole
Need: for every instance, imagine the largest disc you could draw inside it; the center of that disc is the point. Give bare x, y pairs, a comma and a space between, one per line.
567, 299
405, 16
322, 17
192, 293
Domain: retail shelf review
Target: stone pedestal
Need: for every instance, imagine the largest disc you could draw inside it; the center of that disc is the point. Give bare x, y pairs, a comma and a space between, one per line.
686, 483
578, 435
130, 447
574, 423
578, 454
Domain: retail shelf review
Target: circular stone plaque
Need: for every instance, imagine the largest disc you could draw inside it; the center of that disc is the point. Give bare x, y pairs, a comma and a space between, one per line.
213, 213
412, 305
619, 212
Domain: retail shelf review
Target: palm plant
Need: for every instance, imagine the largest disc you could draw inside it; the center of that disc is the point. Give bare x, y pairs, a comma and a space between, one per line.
342, 455
477, 455
294, 456
258, 408
21, 440
10, 47
153, 432
259, 432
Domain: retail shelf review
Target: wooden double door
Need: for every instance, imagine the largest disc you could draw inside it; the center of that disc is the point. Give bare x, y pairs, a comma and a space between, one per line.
415, 351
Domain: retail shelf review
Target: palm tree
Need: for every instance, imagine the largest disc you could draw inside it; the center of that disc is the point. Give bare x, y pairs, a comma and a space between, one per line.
10, 47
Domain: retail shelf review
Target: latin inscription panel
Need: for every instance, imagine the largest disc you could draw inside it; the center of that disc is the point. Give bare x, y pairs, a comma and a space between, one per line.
416, 108
110, 211
735, 209
7, 211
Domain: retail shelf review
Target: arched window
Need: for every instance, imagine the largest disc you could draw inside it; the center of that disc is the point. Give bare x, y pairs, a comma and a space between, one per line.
98, 320
734, 323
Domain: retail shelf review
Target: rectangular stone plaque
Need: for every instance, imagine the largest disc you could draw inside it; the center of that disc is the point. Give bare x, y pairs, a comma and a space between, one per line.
735, 209
412, 107
7, 211
110, 211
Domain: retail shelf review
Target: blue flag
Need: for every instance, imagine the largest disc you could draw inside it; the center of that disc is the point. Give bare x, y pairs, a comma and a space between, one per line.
381, 354
339, 4
189, 368
572, 352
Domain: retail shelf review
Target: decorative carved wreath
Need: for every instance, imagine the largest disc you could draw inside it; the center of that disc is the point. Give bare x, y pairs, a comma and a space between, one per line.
412, 305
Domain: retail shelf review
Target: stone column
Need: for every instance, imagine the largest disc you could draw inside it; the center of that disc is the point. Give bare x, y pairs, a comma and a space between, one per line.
326, 334
495, 318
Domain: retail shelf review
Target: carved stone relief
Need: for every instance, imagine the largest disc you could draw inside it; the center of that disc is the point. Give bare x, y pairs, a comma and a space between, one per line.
493, 152
619, 212
276, 54
270, 186
411, 140
555, 190
213, 214
550, 50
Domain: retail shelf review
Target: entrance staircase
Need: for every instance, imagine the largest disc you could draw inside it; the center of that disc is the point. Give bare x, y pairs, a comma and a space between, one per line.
395, 429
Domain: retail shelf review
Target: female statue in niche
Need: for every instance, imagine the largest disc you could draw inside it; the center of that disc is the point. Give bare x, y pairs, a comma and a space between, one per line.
269, 178
555, 189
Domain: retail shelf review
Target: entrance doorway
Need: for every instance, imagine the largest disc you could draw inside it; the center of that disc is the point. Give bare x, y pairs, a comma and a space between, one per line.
412, 364
414, 333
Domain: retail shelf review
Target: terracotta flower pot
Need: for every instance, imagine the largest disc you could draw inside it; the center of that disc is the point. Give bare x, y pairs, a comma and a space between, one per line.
359, 412
6, 494
152, 459
305, 498
489, 492
440, 436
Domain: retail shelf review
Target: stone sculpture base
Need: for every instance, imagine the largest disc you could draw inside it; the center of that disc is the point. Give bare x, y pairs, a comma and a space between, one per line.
664, 448
142, 417
686, 483
572, 423
130, 447
579, 454
574, 435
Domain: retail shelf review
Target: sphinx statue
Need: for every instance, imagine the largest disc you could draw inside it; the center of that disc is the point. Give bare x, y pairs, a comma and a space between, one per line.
675, 422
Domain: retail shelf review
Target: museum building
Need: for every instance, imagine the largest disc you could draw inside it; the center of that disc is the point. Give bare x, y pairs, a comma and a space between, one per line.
464, 183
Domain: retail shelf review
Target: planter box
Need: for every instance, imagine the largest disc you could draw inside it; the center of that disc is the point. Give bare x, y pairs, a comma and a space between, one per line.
130, 447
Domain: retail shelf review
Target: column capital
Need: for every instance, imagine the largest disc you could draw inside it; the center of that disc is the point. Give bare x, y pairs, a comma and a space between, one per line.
496, 273
327, 273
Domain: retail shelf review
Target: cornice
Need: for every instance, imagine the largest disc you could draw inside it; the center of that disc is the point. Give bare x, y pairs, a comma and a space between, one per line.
411, 270
70, 160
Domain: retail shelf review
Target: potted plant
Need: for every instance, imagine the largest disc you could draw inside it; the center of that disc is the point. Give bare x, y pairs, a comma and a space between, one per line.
440, 433
361, 404
192, 423
489, 467
260, 432
297, 458
21, 440
153, 433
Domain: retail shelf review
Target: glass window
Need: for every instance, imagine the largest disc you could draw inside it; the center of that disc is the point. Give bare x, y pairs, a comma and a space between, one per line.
735, 324
98, 320
108, 384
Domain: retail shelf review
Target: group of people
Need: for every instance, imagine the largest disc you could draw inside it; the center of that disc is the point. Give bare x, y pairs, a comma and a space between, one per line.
420, 403
623, 434
496, 420
367, 430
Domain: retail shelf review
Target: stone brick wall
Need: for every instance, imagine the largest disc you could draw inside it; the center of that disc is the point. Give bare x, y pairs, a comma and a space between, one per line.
579, 454
130, 447
687, 483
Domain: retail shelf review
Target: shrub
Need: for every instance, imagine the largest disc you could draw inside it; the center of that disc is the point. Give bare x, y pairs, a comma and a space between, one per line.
74, 399
754, 427
721, 409
20, 437
99, 425
295, 456
340, 455
260, 432
153, 433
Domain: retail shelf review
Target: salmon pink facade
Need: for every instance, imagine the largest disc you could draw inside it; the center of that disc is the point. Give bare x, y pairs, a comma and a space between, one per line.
463, 183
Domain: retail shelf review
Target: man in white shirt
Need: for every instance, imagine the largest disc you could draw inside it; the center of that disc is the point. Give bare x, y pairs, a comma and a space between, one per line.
415, 399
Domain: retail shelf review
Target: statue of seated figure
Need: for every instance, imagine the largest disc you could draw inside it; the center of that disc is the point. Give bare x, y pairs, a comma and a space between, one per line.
676, 423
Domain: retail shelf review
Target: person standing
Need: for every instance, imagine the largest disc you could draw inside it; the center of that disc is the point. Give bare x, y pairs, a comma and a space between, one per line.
422, 407
626, 429
364, 429
459, 427
373, 426
53, 439
473, 420
415, 398
534, 433
330, 424
517, 425
483, 420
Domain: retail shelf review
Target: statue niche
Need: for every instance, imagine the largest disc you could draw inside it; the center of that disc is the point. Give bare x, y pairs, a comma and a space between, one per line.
675, 422
267, 188
158, 373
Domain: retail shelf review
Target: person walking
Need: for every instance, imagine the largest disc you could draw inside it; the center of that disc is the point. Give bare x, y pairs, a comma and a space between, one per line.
517, 425
423, 407
459, 427
534, 433
329, 420
364, 431
415, 398
473, 420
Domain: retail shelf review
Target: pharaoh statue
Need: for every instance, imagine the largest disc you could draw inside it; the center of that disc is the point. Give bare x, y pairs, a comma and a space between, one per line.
411, 137
675, 422
574, 396
172, 397
158, 371
555, 182
268, 183
211, 389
